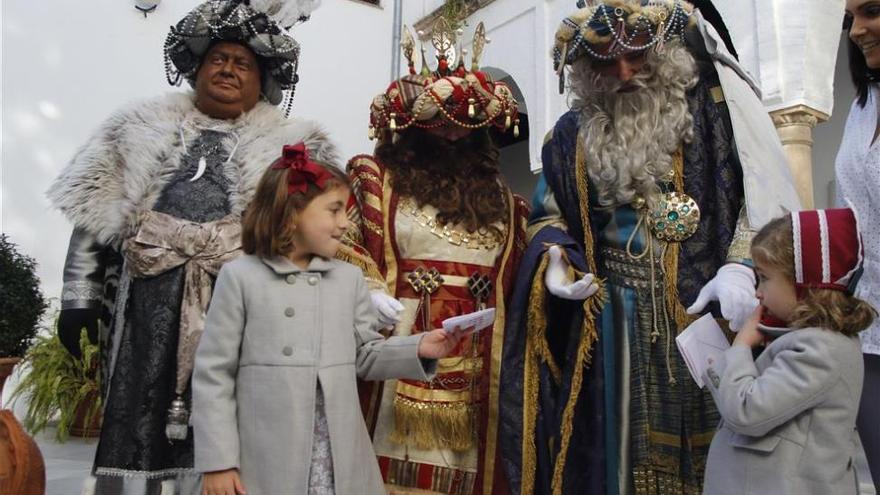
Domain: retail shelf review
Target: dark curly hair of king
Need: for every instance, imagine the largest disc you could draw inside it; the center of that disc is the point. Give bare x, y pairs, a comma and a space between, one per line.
461, 179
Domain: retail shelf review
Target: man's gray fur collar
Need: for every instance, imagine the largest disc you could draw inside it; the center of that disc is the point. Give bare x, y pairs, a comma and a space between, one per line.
122, 168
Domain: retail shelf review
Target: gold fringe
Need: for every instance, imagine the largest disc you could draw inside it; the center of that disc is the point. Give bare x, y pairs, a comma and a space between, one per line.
489, 451
589, 332
670, 261
536, 347
535, 323
367, 265
433, 425
589, 336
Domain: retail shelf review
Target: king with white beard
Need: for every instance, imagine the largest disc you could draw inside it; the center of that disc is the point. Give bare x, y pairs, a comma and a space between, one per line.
647, 203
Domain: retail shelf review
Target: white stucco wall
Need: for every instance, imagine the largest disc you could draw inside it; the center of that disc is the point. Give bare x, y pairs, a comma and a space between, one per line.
67, 65
790, 46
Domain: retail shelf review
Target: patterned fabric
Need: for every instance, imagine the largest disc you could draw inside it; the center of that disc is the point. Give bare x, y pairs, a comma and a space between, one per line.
658, 443
321, 471
141, 389
857, 173
393, 244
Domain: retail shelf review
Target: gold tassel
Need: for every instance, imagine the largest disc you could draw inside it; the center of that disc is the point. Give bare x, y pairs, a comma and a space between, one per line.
433, 425
471, 111
507, 120
393, 124
371, 133
670, 262
516, 128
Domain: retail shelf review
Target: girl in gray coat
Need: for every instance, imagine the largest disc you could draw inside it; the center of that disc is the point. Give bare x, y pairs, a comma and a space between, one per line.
788, 417
275, 405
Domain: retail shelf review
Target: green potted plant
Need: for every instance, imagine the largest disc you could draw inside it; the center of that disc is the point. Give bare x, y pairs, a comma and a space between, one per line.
23, 305
58, 384
21, 463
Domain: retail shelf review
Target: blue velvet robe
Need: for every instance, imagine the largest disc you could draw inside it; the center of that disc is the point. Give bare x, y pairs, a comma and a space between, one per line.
713, 177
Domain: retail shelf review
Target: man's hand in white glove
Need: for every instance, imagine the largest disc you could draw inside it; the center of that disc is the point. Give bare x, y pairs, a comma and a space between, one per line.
734, 289
388, 308
557, 282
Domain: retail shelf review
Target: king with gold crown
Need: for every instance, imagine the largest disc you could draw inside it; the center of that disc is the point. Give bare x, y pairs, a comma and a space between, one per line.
653, 184
438, 234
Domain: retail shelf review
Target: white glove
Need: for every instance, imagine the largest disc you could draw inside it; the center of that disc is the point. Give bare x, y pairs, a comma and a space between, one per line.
734, 289
556, 280
388, 308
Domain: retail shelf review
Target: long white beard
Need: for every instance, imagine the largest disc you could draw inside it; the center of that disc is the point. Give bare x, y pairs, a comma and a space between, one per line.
630, 137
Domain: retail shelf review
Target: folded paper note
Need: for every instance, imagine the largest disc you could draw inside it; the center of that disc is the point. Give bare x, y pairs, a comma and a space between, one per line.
702, 340
479, 320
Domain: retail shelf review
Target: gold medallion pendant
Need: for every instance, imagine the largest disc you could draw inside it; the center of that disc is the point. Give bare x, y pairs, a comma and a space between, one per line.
675, 218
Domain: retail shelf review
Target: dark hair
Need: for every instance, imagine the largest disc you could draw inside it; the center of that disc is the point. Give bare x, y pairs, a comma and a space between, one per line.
861, 74
459, 178
822, 308
267, 228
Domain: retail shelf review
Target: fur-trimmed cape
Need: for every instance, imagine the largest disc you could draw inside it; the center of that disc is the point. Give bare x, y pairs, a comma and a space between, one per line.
124, 165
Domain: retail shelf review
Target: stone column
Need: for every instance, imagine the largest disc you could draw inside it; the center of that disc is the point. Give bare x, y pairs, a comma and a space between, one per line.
795, 127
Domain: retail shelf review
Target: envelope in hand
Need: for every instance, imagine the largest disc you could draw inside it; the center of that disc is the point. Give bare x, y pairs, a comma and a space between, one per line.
700, 341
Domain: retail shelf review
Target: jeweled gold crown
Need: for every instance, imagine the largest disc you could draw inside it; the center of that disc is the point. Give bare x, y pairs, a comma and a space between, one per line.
446, 96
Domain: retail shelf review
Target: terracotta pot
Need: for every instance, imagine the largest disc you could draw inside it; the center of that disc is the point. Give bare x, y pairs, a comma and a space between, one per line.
79, 428
22, 471
6, 366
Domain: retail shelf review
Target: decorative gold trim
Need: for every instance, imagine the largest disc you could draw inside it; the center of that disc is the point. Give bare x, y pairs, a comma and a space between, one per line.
367, 265
390, 259
432, 425
670, 263
699, 440
533, 229
741, 245
717, 94
371, 200
448, 280
432, 394
363, 176
534, 318
497, 352
589, 332
371, 226
471, 240
460, 364
366, 161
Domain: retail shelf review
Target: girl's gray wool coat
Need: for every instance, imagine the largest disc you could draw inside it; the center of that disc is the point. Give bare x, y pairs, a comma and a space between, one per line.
274, 331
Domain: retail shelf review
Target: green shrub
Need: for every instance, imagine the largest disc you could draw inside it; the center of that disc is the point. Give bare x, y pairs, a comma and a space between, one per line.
21, 301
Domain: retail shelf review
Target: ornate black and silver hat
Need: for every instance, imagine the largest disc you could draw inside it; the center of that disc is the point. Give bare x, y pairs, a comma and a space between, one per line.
261, 25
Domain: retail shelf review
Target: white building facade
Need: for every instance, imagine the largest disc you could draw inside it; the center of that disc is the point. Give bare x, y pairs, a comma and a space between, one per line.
68, 65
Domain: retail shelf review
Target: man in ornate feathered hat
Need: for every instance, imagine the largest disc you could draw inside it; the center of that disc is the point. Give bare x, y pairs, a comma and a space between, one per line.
438, 234
653, 185
156, 197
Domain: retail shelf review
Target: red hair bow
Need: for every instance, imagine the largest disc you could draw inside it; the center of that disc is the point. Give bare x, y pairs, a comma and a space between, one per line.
302, 170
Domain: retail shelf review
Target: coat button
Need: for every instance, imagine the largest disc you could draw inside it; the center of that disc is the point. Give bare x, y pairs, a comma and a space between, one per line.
287, 351
291, 279
289, 312
313, 280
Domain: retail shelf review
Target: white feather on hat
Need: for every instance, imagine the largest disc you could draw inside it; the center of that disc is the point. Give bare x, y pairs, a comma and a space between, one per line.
286, 12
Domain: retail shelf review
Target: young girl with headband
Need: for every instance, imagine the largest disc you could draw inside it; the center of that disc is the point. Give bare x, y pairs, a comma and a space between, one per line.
789, 416
288, 331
